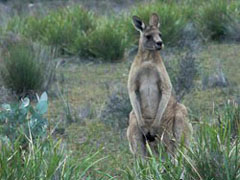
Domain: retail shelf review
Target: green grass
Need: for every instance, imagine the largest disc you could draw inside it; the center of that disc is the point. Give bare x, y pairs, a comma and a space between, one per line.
26, 67
108, 41
43, 160
78, 31
173, 19
75, 31
215, 19
22, 71
92, 149
94, 82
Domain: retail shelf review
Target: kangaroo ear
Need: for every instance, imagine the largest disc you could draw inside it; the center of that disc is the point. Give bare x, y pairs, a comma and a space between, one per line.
154, 20
138, 23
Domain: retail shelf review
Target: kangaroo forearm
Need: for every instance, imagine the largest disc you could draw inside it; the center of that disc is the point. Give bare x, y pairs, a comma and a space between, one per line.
136, 108
162, 107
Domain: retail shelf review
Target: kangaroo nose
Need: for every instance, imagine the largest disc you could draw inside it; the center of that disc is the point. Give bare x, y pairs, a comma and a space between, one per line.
159, 43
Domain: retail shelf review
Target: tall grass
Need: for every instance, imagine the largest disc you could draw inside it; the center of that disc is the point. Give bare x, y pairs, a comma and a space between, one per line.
21, 72
60, 28
77, 31
26, 67
214, 153
43, 160
215, 18
108, 41
172, 20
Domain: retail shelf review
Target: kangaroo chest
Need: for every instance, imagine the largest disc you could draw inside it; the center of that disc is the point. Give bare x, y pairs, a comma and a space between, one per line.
149, 92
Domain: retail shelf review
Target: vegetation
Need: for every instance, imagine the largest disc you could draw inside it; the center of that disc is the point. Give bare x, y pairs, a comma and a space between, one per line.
83, 133
23, 119
26, 67
214, 154
173, 19
42, 160
218, 20
108, 41
115, 112
75, 30
26, 150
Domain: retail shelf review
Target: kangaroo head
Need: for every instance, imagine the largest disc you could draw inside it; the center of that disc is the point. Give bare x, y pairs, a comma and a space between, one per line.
150, 35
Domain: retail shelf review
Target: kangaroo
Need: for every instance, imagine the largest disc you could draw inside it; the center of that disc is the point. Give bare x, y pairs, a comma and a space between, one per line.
156, 118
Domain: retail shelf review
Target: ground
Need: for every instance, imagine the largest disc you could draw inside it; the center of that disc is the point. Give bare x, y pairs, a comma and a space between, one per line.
88, 85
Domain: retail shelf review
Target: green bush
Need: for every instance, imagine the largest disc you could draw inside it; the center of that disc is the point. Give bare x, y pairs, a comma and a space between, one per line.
116, 111
172, 20
77, 31
108, 41
26, 67
19, 120
21, 71
61, 28
215, 17
16, 25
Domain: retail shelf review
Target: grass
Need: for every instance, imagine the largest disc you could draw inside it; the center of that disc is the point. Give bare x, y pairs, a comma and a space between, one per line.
108, 41
172, 20
75, 31
214, 19
43, 160
26, 67
21, 71
214, 154
92, 149
90, 133
78, 31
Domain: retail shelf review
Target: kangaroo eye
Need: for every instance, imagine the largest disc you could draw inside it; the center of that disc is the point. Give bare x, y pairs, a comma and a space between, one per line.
148, 37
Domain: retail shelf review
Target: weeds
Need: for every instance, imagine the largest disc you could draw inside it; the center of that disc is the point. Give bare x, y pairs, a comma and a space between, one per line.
172, 21
108, 41
214, 153
43, 160
27, 67
77, 31
117, 109
215, 19
22, 72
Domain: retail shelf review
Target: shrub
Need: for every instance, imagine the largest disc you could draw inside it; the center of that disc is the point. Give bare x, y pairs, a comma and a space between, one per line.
16, 25
26, 67
215, 18
21, 119
172, 20
61, 28
21, 71
233, 28
188, 69
108, 41
116, 110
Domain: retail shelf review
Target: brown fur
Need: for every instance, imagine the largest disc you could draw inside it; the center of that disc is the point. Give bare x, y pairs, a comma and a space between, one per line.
156, 116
